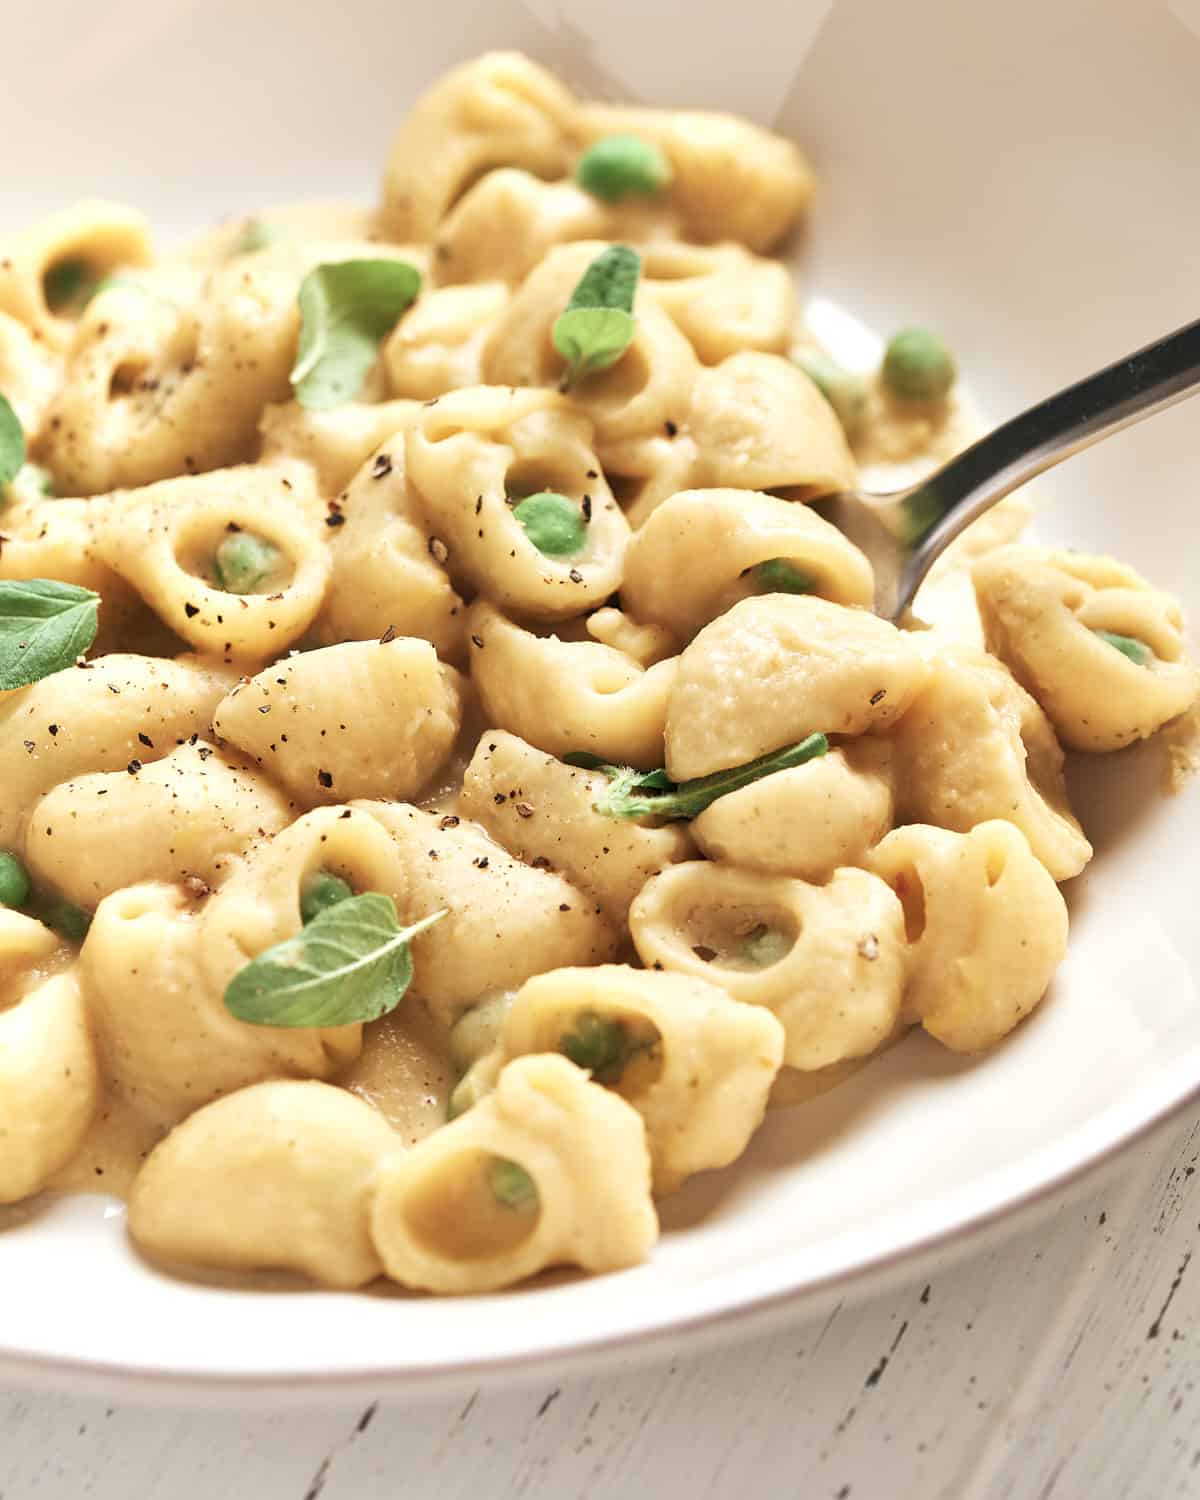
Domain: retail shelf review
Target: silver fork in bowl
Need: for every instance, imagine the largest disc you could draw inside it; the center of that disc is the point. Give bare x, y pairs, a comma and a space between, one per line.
903, 533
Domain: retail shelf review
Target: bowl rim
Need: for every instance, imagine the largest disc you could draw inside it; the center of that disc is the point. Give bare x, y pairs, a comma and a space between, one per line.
735, 1308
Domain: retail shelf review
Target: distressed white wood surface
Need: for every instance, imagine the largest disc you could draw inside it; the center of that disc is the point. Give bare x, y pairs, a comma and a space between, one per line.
1061, 1363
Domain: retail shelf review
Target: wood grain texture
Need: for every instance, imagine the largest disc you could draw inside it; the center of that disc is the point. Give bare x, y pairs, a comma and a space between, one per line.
1061, 1363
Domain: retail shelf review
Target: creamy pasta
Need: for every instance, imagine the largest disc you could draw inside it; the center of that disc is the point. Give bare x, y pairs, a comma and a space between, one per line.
454, 782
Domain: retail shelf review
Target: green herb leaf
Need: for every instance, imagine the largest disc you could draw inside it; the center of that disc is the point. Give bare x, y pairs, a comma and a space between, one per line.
256, 234
12, 442
347, 308
597, 326
651, 794
1137, 651
622, 164
352, 962
44, 626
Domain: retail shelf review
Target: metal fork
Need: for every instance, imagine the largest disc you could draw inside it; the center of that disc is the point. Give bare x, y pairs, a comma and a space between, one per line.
903, 533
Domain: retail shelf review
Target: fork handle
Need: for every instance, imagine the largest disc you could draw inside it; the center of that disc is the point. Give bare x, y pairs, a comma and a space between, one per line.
935, 511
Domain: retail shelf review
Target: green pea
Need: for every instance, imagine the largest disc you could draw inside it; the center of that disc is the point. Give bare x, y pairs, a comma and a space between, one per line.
778, 576
67, 919
256, 235
622, 164
68, 285
511, 1185
917, 366
319, 890
1137, 651
596, 1043
14, 880
243, 561
845, 391
552, 523
765, 946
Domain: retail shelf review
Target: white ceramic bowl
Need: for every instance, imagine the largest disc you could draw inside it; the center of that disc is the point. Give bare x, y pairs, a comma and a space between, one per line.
1024, 176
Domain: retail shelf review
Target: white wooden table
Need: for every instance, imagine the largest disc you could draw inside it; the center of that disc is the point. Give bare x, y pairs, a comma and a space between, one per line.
1062, 1363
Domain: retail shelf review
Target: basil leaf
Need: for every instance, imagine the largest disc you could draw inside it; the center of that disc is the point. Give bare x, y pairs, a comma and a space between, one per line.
651, 794
346, 310
596, 326
609, 281
12, 442
44, 626
352, 962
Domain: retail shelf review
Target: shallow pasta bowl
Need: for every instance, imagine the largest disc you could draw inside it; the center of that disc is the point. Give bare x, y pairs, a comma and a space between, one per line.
1015, 176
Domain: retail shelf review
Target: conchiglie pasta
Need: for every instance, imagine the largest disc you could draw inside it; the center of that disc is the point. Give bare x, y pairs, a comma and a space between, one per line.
385, 578
986, 923
363, 719
156, 387
1042, 610
722, 299
438, 346
504, 225
98, 717
759, 423
702, 551
28, 374
731, 180
473, 457
497, 110
505, 920
336, 441
649, 386
548, 1170
772, 670
277, 1176
49, 1087
695, 1064
29, 953
164, 539
808, 820
181, 818
541, 811
167, 1043
56, 539
568, 695
975, 746
828, 961
90, 241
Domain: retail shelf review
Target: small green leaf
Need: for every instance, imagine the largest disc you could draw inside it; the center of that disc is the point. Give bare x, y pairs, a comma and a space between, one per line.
622, 164
779, 576
319, 890
256, 234
12, 442
44, 626
347, 308
1137, 651
552, 523
634, 794
14, 880
352, 962
597, 326
65, 918
68, 285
